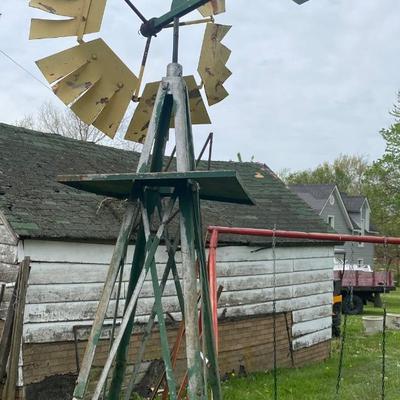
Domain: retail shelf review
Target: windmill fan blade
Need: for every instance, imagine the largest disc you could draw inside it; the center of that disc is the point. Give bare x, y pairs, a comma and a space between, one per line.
85, 17
139, 124
213, 7
94, 81
212, 68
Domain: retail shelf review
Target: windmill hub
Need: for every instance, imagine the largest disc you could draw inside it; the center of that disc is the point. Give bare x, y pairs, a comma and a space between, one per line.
148, 29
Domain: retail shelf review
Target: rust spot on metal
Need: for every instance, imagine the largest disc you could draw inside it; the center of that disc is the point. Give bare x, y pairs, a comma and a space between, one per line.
48, 8
74, 85
209, 71
103, 100
141, 139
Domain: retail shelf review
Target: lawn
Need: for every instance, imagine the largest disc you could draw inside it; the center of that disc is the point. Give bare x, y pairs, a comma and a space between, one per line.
361, 378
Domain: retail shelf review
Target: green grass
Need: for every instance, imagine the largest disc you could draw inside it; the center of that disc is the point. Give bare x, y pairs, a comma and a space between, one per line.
361, 378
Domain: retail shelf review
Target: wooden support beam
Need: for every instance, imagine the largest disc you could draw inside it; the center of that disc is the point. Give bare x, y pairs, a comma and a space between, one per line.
9, 389
5, 342
185, 162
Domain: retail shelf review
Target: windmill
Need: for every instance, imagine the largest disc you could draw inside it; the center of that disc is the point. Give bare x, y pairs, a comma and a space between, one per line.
98, 87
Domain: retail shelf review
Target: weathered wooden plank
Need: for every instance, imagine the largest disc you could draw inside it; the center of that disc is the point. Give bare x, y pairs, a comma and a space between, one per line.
254, 309
41, 250
17, 332
6, 237
313, 264
246, 297
312, 301
311, 313
8, 272
312, 288
63, 331
312, 339
63, 273
251, 267
38, 294
304, 328
245, 253
8, 254
240, 274
52, 293
85, 311
79, 253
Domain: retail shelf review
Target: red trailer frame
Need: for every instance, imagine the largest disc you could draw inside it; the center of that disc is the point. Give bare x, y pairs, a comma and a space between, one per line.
215, 231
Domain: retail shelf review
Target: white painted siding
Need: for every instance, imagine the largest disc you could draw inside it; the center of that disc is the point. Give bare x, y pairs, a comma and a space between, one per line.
67, 278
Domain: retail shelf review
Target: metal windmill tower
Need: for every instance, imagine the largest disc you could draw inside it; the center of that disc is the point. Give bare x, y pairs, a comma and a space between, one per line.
98, 87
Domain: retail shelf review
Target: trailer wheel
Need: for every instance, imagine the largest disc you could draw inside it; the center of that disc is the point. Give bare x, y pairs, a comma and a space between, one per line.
336, 319
354, 307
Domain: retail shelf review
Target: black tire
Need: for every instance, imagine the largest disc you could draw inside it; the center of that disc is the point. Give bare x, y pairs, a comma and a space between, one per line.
354, 307
336, 320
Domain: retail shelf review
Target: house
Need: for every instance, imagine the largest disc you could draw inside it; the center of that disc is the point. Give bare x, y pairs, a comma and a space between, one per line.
69, 236
345, 214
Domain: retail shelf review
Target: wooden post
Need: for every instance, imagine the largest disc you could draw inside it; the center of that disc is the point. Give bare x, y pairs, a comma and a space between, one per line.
7, 330
185, 162
2, 290
9, 389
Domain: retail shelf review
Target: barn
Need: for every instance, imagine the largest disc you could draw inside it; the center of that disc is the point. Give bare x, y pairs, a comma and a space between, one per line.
69, 238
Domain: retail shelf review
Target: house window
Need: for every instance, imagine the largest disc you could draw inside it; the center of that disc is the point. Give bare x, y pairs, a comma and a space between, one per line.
360, 262
331, 199
331, 221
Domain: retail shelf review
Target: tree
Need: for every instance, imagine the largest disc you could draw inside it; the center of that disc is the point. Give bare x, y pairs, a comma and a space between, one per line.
65, 123
346, 171
382, 184
382, 187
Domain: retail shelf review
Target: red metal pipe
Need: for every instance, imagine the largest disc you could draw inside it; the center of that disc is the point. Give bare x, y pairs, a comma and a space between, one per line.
334, 237
212, 271
213, 244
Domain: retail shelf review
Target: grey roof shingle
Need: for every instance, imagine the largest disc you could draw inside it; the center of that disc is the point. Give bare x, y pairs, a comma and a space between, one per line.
353, 204
315, 195
37, 206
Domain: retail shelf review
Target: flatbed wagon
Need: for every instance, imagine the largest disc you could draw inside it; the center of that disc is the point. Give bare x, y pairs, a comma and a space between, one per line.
358, 287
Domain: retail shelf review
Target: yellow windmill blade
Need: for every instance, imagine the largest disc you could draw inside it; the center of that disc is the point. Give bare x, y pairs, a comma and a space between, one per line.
213, 7
85, 17
139, 124
94, 81
212, 68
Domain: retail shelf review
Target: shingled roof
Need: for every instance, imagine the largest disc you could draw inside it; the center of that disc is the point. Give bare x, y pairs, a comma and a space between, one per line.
37, 206
353, 204
315, 195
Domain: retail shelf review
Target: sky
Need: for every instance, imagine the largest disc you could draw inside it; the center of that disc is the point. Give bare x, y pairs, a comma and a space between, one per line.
309, 82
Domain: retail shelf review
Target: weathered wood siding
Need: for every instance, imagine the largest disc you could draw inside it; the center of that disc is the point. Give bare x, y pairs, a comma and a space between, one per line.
66, 280
8, 260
